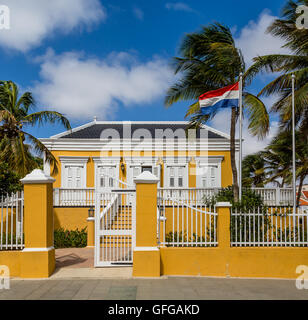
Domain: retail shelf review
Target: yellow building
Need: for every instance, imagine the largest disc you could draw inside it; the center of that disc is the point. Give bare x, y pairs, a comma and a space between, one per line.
106, 155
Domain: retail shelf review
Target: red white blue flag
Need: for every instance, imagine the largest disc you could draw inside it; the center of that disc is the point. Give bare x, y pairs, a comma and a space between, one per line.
226, 97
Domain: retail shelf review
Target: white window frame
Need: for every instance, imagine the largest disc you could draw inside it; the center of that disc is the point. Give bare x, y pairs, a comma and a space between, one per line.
181, 162
142, 162
73, 162
210, 162
106, 162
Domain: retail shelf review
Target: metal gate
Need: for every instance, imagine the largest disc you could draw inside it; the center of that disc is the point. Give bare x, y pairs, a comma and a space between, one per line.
115, 225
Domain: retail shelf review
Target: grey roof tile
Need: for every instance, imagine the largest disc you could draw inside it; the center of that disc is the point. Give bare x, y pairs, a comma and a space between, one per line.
155, 129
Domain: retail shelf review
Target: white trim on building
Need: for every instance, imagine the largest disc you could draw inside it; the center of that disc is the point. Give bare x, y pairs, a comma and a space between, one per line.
73, 171
208, 171
106, 164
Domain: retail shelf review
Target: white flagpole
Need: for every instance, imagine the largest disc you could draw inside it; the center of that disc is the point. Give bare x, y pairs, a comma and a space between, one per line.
293, 144
241, 134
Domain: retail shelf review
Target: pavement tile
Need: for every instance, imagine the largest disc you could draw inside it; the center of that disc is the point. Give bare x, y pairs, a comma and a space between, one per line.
45, 287
122, 293
85, 290
183, 288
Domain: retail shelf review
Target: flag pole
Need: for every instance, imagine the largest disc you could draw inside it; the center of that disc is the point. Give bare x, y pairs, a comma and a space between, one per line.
293, 144
241, 133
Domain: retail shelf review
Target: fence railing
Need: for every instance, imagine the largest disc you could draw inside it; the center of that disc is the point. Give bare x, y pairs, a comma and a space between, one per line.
270, 196
64, 197
266, 227
275, 196
11, 222
74, 197
190, 195
183, 223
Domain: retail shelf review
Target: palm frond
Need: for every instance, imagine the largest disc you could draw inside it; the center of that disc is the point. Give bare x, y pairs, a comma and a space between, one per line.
259, 122
47, 116
41, 150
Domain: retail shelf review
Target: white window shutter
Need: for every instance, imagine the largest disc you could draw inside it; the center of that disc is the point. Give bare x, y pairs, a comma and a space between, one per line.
156, 172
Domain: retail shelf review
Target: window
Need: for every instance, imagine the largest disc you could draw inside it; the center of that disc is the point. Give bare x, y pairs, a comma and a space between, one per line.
73, 176
149, 169
208, 176
136, 172
107, 176
73, 172
171, 176
156, 171
180, 177
176, 176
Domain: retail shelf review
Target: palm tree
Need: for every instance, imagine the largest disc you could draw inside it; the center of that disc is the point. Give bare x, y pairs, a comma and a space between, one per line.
296, 41
14, 116
253, 171
210, 60
278, 159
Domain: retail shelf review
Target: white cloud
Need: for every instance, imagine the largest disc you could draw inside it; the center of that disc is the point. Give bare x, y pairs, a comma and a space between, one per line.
254, 41
139, 14
79, 86
32, 21
251, 144
179, 6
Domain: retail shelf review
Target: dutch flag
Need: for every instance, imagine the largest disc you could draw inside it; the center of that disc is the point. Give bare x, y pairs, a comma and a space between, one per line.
226, 97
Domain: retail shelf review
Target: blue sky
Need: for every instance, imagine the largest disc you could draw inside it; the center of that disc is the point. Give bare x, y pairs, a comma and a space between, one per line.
110, 59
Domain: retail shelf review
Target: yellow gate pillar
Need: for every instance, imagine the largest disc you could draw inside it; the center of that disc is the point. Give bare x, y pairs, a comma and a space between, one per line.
223, 228
91, 232
146, 258
38, 257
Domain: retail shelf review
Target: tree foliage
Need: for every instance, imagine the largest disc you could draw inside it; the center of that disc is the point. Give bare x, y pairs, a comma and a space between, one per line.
16, 144
9, 181
209, 60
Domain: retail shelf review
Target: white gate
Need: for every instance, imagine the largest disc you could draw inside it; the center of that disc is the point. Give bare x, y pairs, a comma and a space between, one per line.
115, 219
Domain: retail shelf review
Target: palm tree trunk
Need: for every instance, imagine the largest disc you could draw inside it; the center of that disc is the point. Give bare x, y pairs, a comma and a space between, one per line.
232, 149
300, 187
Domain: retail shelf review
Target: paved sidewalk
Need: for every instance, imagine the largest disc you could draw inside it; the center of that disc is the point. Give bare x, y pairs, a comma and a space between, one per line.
75, 258
90, 273
178, 288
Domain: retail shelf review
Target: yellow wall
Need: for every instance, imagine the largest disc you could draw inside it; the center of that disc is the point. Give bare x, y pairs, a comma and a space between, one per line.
226, 172
224, 260
12, 260
234, 262
70, 218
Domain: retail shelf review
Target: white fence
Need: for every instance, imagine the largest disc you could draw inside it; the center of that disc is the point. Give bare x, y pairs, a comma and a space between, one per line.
278, 227
270, 196
185, 223
275, 196
11, 222
190, 195
74, 197
86, 197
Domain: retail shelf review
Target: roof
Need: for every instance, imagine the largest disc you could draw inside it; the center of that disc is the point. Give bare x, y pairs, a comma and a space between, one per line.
303, 202
158, 129
305, 193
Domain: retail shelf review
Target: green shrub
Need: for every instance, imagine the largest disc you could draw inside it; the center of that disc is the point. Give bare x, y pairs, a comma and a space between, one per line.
183, 240
250, 199
70, 238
